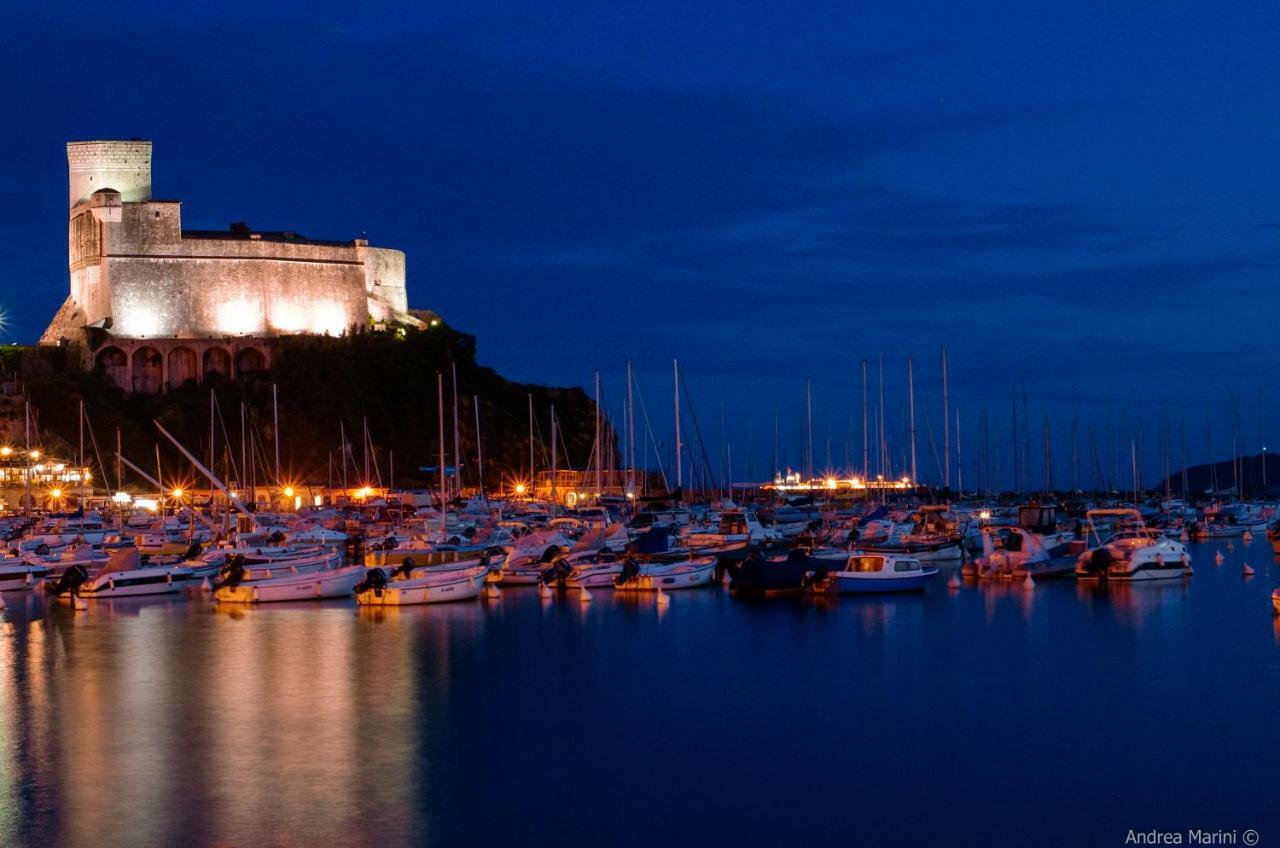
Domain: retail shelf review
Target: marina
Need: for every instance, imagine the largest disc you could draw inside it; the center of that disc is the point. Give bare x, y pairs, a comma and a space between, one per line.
678, 423
340, 723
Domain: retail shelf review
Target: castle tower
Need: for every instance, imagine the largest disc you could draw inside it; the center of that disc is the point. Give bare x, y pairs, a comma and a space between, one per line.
121, 165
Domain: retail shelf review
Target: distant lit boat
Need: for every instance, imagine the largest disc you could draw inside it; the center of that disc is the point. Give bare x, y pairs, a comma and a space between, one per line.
636, 577
1133, 553
1275, 601
870, 573
334, 583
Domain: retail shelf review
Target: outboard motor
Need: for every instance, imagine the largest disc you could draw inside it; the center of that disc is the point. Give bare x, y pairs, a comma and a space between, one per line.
556, 572
71, 580
375, 579
233, 571
818, 576
1013, 543
276, 539
42, 549
405, 569
1099, 562
193, 552
549, 555
630, 570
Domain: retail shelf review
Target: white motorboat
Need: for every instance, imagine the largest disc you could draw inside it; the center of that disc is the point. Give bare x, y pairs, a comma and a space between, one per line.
652, 577
377, 590
125, 576
17, 574
1013, 553
1133, 553
309, 586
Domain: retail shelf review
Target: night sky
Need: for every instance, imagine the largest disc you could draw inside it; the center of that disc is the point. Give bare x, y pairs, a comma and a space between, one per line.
1065, 195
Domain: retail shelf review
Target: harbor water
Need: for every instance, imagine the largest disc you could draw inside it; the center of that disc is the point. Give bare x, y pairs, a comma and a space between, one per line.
1063, 715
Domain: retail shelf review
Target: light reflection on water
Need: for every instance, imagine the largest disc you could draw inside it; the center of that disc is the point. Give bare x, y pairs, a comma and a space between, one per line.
172, 722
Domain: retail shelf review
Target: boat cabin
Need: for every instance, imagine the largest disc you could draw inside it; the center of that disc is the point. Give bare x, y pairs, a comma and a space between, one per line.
1038, 519
874, 563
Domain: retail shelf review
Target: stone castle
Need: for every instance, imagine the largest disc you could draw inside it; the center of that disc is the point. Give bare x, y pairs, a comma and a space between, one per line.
156, 305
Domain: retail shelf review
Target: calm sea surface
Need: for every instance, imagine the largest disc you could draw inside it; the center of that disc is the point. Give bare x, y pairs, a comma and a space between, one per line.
991, 715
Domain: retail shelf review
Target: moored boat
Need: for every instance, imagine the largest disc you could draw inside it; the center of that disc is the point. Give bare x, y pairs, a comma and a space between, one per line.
332, 583
378, 590
652, 577
870, 573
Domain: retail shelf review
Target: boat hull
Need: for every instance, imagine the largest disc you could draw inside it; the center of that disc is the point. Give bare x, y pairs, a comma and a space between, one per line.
869, 584
412, 592
339, 583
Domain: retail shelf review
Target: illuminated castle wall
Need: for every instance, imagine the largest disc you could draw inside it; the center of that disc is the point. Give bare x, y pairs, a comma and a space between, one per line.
198, 299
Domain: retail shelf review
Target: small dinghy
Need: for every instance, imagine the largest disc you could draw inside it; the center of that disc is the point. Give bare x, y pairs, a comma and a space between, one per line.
377, 590
665, 576
308, 586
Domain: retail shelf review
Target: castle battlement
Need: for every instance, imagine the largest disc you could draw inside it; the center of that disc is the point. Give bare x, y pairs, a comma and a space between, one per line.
137, 276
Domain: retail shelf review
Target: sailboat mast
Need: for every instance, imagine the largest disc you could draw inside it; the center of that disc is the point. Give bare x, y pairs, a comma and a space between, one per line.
911, 399
866, 456
675, 364
599, 451
457, 438
808, 457
475, 402
631, 435
554, 469
82, 457
444, 485
946, 425
275, 412
881, 463
531, 441
959, 463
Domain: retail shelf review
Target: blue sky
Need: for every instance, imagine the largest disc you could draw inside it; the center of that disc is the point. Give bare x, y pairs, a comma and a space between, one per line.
1065, 195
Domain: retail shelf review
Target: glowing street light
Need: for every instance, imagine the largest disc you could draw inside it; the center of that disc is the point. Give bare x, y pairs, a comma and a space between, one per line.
519, 488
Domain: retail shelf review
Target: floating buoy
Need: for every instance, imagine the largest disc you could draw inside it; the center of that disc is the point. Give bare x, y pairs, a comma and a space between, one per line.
1248, 572
204, 585
1183, 537
663, 598
1217, 558
1231, 546
1029, 583
954, 582
544, 591
1186, 566
79, 603
491, 592
725, 579
1247, 537
584, 596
